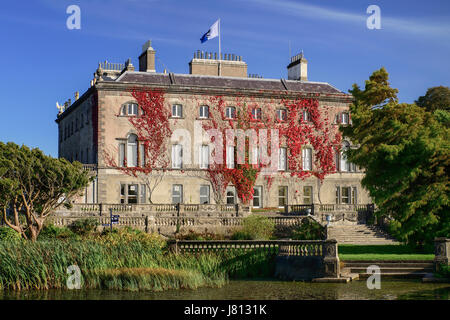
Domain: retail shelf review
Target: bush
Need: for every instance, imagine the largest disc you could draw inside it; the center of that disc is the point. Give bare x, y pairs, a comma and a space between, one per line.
53, 232
84, 226
8, 234
255, 228
444, 271
192, 235
309, 230
128, 236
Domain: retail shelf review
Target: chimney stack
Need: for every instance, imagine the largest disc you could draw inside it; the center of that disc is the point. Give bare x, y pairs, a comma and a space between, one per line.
298, 68
147, 58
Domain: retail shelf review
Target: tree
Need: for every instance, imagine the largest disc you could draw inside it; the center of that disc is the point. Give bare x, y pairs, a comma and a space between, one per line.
436, 98
405, 153
33, 185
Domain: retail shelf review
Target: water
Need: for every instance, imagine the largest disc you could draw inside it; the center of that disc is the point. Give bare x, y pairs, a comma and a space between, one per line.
259, 290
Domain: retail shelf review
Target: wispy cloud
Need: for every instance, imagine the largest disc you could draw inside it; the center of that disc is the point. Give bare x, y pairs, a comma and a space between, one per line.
425, 28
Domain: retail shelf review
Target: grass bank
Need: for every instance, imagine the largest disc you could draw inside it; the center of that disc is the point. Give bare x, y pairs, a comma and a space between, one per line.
381, 252
121, 261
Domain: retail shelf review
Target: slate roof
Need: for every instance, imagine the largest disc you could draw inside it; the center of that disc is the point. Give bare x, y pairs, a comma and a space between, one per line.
227, 82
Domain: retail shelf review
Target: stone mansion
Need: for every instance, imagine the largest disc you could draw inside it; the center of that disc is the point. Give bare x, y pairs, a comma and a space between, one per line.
96, 123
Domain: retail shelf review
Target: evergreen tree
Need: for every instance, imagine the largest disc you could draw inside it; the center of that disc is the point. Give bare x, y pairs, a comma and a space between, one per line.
32, 185
404, 150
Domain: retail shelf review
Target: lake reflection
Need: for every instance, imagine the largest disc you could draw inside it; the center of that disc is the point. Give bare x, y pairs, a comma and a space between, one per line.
258, 290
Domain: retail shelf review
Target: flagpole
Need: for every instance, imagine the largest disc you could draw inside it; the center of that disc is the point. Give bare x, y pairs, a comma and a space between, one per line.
220, 52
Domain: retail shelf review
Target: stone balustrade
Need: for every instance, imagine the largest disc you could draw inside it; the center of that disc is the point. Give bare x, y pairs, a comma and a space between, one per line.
294, 259
153, 209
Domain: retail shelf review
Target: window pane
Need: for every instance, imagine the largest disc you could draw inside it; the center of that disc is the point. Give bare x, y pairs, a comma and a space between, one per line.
307, 158
204, 194
141, 155
177, 193
122, 154
204, 112
230, 197
257, 197
230, 157
282, 159
204, 157
345, 195
143, 193
177, 156
354, 196
307, 195
338, 195
282, 196
132, 193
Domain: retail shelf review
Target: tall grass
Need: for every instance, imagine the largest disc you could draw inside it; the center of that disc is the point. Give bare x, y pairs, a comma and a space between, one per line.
122, 262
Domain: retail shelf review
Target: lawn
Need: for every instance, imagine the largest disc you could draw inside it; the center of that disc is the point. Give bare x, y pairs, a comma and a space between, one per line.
381, 252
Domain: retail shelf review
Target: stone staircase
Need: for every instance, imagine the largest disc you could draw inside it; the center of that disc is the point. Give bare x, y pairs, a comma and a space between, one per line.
359, 234
411, 269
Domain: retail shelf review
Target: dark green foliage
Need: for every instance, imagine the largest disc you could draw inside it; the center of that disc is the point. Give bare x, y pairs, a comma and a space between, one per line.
309, 230
53, 232
444, 272
250, 264
8, 234
191, 235
32, 185
84, 226
404, 151
436, 98
255, 228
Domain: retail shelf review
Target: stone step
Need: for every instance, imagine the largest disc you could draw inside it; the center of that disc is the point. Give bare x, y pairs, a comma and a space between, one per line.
389, 264
359, 234
392, 270
412, 275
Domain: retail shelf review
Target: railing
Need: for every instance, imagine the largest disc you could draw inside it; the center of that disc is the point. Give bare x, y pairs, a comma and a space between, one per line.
139, 209
343, 207
302, 248
111, 66
90, 167
299, 209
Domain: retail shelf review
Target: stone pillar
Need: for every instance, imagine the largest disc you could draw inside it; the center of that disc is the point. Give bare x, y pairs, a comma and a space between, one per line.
441, 252
331, 266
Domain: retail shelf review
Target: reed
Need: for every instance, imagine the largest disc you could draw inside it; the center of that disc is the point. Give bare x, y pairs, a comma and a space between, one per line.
125, 264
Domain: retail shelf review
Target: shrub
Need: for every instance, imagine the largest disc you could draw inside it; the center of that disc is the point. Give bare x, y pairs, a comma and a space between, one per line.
53, 232
444, 271
8, 234
192, 235
84, 226
255, 228
128, 236
309, 230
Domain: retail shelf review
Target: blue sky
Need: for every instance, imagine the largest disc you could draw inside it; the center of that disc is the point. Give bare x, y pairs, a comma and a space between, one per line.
44, 62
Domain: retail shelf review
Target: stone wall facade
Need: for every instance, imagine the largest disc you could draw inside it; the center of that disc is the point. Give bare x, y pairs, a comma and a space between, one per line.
103, 126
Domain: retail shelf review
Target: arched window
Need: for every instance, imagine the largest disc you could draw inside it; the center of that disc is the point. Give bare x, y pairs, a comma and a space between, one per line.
129, 109
128, 149
132, 150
